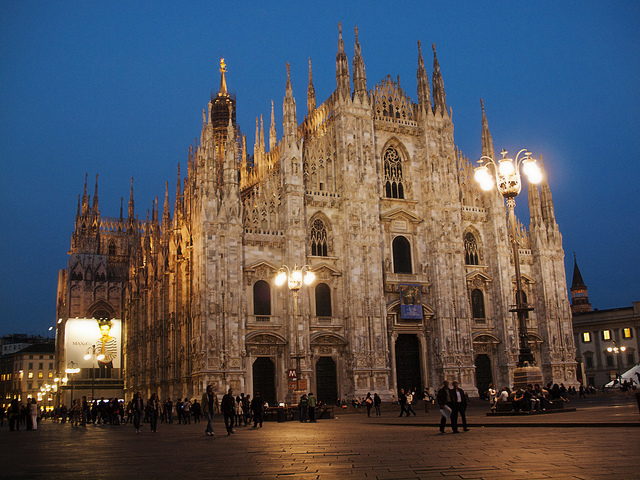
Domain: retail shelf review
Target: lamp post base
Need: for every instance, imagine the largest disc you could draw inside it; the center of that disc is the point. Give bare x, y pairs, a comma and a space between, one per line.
527, 374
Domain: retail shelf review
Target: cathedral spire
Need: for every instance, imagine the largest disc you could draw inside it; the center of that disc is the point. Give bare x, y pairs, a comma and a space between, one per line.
85, 198
95, 210
154, 216
487, 141
424, 92
131, 211
262, 142
178, 205
439, 97
311, 93
535, 210
289, 120
223, 80
166, 213
273, 140
548, 214
342, 68
359, 74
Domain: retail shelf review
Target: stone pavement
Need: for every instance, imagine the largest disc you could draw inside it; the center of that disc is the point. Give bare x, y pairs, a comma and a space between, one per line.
601, 439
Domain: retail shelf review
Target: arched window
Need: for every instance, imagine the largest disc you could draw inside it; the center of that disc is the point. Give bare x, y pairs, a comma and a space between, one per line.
393, 180
477, 304
470, 249
323, 300
401, 255
318, 237
112, 247
261, 298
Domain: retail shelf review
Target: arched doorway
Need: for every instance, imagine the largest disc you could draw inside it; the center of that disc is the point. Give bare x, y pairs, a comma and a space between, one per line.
264, 379
408, 362
483, 373
326, 380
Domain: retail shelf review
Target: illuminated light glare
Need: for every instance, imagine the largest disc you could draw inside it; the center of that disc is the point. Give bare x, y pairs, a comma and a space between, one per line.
100, 357
296, 276
486, 184
535, 176
480, 174
281, 278
506, 167
87, 356
309, 278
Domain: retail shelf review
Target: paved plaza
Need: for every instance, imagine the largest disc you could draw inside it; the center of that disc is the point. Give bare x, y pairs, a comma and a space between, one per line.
601, 439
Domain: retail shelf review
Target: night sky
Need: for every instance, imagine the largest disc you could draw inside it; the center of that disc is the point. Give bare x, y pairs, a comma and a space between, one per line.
117, 89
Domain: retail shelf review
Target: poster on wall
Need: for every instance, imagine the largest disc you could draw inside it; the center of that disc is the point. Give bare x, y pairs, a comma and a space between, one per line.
82, 334
410, 302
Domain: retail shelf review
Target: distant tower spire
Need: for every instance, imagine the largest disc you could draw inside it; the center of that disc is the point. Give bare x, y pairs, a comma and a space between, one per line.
439, 97
166, 212
95, 209
311, 93
273, 140
342, 68
487, 141
548, 214
262, 142
223, 80
289, 120
131, 211
424, 92
359, 74
579, 294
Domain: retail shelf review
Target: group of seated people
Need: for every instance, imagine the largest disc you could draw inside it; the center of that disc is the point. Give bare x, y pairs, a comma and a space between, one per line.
529, 399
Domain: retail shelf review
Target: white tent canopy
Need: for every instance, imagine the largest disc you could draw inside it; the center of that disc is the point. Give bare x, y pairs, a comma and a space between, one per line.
632, 374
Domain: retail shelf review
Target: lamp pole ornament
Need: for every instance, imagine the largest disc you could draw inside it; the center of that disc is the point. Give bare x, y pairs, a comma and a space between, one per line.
506, 174
295, 278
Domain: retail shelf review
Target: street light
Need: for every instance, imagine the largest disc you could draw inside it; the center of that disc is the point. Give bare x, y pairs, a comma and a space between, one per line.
70, 370
295, 277
617, 350
506, 174
91, 354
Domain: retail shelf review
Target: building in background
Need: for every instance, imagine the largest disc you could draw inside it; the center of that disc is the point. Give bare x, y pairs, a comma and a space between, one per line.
607, 342
29, 372
371, 193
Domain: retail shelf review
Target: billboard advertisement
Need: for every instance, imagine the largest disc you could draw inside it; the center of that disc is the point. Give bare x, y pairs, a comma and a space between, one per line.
82, 334
410, 302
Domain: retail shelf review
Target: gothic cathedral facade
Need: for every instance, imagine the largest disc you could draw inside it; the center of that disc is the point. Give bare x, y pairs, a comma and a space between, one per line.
371, 193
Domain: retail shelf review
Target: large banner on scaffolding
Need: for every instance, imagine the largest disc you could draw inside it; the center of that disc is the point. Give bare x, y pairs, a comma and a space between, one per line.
410, 302
82, 334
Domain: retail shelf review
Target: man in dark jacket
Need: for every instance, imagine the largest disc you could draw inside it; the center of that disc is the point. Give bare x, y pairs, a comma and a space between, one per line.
459, 401
257, 405
208, 407
228, 411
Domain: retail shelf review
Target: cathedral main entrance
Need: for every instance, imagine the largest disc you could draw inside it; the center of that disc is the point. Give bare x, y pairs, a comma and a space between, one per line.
408, 363
483, 372
264, 379
326, 380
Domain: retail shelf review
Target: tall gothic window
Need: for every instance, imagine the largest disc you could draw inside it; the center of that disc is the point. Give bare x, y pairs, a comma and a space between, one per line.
401, 255
112, 247
470, 249
261, 298
393, 180
477, 303
318, 239
323, 300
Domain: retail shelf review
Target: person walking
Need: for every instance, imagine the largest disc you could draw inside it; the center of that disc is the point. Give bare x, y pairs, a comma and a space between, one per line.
408, 406
444, 402
168, 410
208, 407
154, 411
377, 401
228, 411
303, 405
402, 400
137, 407
312, 408
459, 400
257, 406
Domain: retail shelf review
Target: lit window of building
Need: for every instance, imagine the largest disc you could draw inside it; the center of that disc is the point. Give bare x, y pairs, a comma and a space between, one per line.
30, 375
627, 333
586, 337
606, 334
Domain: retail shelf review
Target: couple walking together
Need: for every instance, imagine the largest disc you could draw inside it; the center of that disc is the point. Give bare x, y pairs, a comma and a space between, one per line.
453, 403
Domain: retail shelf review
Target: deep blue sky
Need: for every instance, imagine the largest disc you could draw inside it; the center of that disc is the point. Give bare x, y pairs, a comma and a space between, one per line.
117, 89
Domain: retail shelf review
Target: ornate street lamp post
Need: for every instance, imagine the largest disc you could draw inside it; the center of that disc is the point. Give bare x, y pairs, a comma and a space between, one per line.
506, 174
295, 278
616, 351
70, 370
91, 355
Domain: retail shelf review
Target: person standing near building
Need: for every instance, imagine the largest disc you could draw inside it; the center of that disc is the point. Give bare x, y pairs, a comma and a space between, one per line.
444, 402
33, 414
257, 406
137, 407
377, 401
154, 412
408, 406
303, 406
312, 408
228, 411
368, 402
208, 403
459, 400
